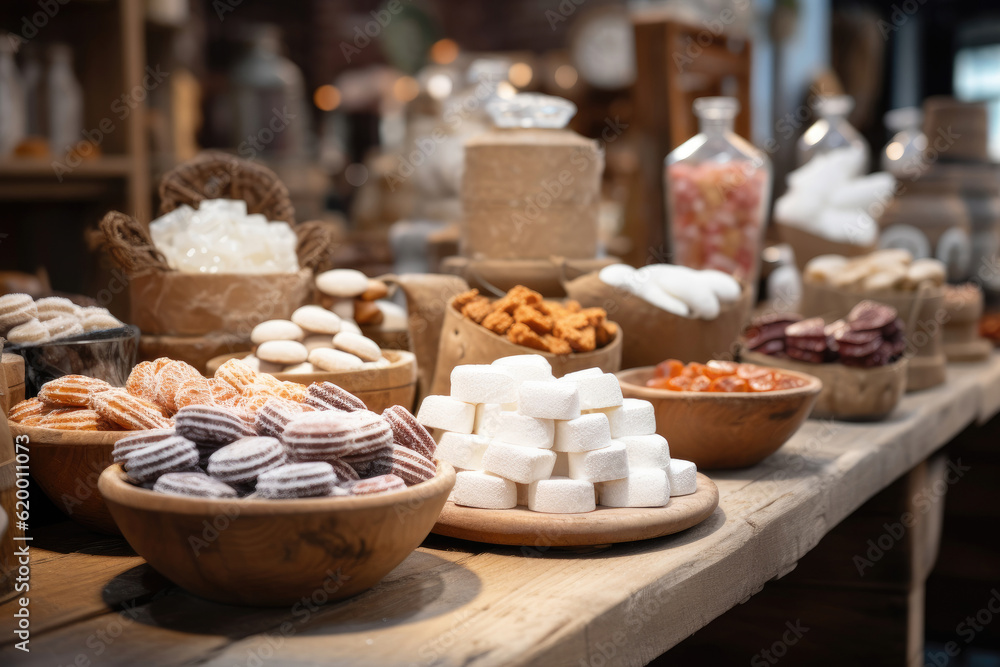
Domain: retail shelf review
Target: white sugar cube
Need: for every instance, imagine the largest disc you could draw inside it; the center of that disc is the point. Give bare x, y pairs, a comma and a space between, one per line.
646, 451
517, 463
644, 487
597, 389
634, 417
482, 383
561, 495
462, 450
446, 413
549, 400
487, 419
519, 429
583, 434
474, 488
525, 367
683, 477
600, 465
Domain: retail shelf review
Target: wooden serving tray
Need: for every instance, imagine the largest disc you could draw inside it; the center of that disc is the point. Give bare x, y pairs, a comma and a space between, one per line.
605, 525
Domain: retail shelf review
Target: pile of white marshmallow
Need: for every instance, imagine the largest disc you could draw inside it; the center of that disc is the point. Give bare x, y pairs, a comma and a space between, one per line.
675, 289
220, 237
519, 436
829, 197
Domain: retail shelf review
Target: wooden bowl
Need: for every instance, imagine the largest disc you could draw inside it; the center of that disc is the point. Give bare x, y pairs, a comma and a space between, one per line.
396, 384
720, 430
275, 552
857, 394
67, 464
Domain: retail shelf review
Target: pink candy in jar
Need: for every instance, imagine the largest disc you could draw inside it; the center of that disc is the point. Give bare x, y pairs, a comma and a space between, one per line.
718, 188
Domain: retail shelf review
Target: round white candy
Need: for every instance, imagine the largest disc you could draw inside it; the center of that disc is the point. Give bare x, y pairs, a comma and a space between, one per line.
517, 463
645, 487
683, 477
483, 490
317, 320
276, 330
356, 344
284, 352
561, 495
334, 360
548, 400
446, 413
586, 432
482, 383
519, 429
343, 283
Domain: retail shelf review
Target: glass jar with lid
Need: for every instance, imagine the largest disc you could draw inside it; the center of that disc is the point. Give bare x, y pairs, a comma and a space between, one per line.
833, 131
718, 189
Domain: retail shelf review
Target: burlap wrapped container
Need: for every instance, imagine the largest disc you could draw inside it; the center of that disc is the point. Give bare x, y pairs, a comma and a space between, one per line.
530, 193
922, 311
651, 334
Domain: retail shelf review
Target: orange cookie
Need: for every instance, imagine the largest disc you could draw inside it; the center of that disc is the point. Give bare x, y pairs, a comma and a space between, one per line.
295, 391
142, 380
195, 391
237, 373
71, 390
171, 377
73, 420
31, 408
223, 392
130, 412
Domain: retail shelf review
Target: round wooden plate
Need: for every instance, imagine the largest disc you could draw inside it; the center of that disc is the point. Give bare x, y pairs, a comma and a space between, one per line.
605, 525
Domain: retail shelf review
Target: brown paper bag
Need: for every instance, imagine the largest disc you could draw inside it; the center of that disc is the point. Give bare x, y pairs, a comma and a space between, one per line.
652, 334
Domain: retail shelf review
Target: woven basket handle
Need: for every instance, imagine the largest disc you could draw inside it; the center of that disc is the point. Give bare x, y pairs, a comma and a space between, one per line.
129, 244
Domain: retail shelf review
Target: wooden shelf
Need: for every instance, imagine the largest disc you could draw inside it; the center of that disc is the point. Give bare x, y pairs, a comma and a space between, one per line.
106, 166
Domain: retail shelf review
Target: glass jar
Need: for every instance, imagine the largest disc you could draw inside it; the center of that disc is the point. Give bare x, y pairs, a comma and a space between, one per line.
832, 131
903, 156
718, 189
12, 112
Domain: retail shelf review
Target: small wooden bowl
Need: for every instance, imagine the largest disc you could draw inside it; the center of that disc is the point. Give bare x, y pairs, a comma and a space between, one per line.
720, 430
396, 384
67, 464
856, 394
275, 552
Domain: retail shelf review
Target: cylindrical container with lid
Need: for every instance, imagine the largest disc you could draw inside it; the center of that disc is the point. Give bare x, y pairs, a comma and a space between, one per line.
832, 131
531, 188
718, 189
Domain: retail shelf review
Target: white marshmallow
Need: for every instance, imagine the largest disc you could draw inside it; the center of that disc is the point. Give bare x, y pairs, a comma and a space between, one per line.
683, 477
517, 463
276, 330
600, 465
525, 367
483, 490
646, 451
331, 360
462, 450
597, 388
644, 487
482, 383
344, 283
549, 400
284, 352
317, 320
518, 429
487, 419
583, 434
561, 495
634, 417
446, 413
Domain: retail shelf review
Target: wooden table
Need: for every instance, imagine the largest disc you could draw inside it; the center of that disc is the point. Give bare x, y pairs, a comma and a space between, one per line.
460, 603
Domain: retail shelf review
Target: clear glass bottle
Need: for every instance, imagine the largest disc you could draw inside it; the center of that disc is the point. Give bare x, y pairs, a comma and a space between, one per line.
718, 189
904, 154
832, 131
12, 111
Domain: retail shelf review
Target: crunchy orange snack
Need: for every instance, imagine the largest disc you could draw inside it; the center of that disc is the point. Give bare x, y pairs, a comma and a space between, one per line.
71, 390
466, 297
720, 376
223, 392
557, 345
498, 322
28, 409
521, 334
129, 412
237, 373
194, 391
74, 420
538, 321
169, 379
142, 380
477, 309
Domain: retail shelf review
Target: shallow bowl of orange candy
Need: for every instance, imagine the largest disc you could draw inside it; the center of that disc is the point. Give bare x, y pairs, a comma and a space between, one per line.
723, 414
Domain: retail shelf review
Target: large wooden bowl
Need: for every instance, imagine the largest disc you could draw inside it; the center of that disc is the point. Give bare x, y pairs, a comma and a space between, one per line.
67, 464
855, 394
275, 552
720, 430
396, 384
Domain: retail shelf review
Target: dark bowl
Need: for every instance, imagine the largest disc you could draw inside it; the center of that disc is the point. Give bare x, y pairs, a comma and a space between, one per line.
108, 355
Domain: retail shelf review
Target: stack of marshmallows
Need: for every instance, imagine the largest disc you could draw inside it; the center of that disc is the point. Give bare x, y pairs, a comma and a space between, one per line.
518, 435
